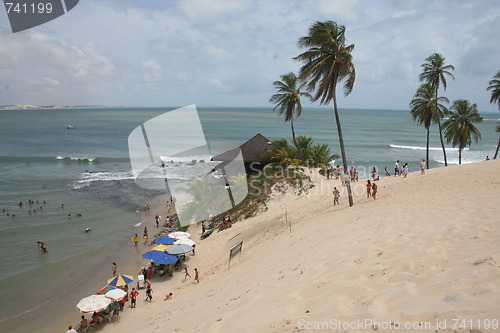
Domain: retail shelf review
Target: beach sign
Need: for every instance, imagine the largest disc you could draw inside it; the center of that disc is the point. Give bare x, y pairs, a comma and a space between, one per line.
234, 251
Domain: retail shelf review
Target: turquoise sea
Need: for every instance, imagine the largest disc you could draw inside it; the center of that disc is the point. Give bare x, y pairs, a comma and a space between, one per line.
88, 170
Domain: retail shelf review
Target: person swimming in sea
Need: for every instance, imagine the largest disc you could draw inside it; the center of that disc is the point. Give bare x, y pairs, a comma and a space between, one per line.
41, 244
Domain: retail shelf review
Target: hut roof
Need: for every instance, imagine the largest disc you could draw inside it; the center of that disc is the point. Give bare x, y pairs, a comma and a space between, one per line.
251, 150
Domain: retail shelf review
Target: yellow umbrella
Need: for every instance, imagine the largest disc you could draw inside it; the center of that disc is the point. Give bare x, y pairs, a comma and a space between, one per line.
160, 247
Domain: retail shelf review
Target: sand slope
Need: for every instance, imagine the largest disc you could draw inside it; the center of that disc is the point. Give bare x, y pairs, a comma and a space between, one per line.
427, 250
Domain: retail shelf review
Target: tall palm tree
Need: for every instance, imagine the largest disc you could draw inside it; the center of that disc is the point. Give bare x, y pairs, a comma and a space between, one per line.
434, 73
328, 61
495, 99
459, 128
425, 109
287, 99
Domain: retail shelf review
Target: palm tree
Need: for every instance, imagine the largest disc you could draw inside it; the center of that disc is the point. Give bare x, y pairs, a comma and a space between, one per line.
434, 73
459, 128
495, 99
287, 99
423, 110
328, 61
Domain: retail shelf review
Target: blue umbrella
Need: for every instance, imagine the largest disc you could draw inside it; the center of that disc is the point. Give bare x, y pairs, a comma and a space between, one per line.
151, 254
160, 257
164, 240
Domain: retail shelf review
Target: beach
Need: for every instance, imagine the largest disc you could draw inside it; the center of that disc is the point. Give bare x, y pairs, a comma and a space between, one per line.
88, 169
425, 253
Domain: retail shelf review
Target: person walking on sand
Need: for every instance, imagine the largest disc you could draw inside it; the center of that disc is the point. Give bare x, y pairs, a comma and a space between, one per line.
368, 188
396, 168
336, 196
114, 267
186, 274
422, 167
196, 277
406, 168
149, 292
374, 191
133, 298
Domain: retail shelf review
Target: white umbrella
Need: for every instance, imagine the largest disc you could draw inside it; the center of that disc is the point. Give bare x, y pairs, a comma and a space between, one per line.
179, 249
179, 235
93, 303
185, 241
116, 294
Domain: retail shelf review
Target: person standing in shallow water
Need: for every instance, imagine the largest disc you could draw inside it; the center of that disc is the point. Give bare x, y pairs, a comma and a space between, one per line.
157, 220
114, 267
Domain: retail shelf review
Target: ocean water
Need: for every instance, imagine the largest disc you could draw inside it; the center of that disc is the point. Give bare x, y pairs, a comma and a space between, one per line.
88, 170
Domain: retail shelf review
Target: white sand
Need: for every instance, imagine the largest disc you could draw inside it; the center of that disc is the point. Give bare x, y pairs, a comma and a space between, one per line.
427, 249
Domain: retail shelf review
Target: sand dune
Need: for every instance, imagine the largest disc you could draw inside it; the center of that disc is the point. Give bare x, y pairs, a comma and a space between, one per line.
427, 250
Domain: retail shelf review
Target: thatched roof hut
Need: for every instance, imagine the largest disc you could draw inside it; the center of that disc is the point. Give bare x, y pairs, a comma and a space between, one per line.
251, 151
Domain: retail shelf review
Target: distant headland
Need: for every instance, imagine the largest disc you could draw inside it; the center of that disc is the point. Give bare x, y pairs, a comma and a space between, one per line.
26, 107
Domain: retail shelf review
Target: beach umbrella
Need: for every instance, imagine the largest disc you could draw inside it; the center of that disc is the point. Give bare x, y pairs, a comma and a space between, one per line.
160, 248
164, 259
179, 249
179, 234
93, 303
185, 241
116, 294
164, 240
120, 280
105, 289
151, 254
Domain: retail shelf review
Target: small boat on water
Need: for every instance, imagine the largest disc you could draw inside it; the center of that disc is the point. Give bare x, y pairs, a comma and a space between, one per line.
69, 127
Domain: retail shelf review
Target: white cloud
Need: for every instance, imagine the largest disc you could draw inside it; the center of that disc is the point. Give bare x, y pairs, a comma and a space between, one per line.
229, 52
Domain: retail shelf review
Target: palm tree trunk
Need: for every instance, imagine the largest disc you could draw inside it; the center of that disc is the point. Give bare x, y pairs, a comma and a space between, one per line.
496, 152
442, 144
342, 148
295, 141
440, 131
427, 148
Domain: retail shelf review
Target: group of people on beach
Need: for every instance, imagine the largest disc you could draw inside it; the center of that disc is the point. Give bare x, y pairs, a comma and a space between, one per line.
403, 170
371, 189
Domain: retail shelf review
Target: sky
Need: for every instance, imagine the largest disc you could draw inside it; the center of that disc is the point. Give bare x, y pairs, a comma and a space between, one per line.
229, 52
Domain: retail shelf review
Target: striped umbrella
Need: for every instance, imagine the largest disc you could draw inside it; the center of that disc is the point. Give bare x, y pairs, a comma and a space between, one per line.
93, 303
105, 289
120, 280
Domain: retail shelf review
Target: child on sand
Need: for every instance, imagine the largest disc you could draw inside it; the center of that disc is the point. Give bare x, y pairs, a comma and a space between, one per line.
168, 296
336, 196
196, 277
149, 292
